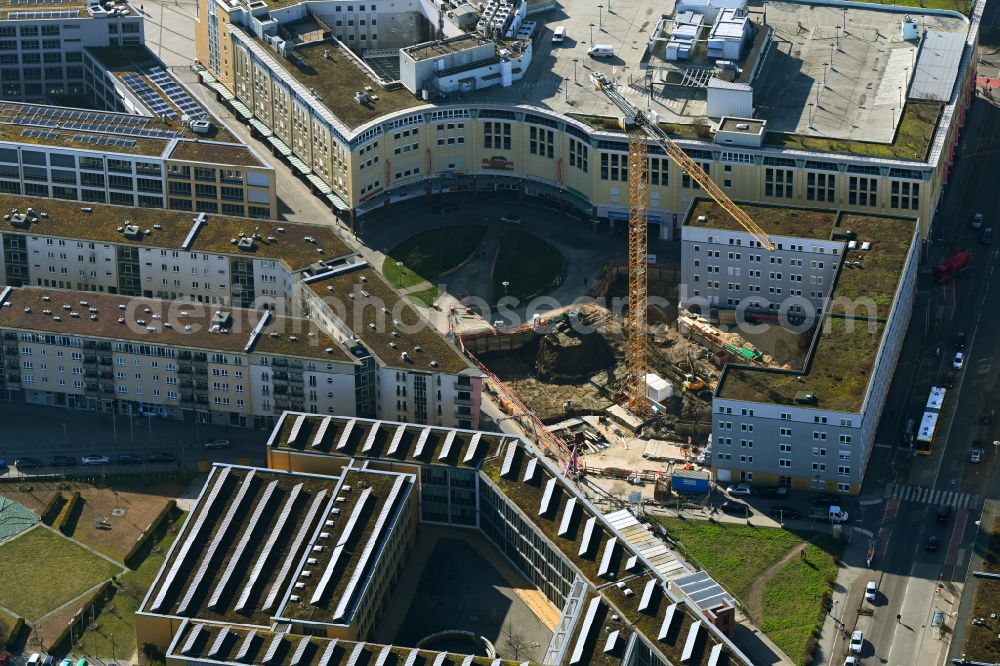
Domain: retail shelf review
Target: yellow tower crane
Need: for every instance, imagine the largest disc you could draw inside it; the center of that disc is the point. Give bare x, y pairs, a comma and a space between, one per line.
640, 128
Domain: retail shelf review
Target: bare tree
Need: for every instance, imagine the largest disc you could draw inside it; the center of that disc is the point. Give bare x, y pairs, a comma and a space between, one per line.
517, 644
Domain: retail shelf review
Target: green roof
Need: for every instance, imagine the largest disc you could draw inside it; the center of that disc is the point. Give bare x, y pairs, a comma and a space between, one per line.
774, 220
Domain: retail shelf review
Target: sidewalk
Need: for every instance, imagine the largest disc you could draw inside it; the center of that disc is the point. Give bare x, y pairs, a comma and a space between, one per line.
848, 592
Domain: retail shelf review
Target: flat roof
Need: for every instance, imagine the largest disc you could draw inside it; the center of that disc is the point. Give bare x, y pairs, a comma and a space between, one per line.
384, 440
213, 643
729, 124
842, 357
283, 241
125, 318
109, 131
213, 152
335, 79
11, 10
774, 220
837, 373
242, 549
434, 49
937, 66
387, 334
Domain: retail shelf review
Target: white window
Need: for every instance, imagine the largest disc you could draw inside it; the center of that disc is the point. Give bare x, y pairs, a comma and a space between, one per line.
819, 435
819, 467
785, 432
785, 448
843, 470
844, 487
784, 462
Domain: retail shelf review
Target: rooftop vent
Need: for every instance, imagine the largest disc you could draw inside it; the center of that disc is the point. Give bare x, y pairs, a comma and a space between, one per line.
221, 318
20, 220
246, 244
132, 232
806, 398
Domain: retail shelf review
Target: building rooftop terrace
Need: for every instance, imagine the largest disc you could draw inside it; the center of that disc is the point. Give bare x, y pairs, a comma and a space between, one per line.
774, 220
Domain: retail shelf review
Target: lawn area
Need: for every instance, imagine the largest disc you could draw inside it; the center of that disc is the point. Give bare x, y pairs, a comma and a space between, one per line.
34, 585
725, 550
424, 297
793, 598
431, 253
118, 623
528, 263
912, 140
737, 555
7, 624
980, 641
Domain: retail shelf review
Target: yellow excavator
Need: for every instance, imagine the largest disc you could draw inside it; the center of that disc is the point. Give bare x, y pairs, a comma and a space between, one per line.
692, 382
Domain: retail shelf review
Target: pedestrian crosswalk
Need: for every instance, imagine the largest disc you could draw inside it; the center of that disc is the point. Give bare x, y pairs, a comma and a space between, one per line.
907, 493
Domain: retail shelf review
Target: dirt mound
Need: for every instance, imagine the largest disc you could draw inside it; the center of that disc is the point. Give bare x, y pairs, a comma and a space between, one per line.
566, 356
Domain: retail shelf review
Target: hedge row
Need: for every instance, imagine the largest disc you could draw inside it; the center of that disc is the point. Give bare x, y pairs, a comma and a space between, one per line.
8, 638
63, 521
144, 539
79, 622
53, 508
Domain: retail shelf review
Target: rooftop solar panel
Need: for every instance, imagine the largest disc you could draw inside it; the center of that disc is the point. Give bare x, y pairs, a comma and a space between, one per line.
272, 649
296, 428
647, 595
668, 619
370, 440
246, 645
321, 432
446, 448
352, 522
691, 641
345, 436
220, 640
265, 552
192, 638
470, 453
300, 651
567, 517
530, 469
331, 647
585, 629
300, 538
191, 537
207, 561
588, 535
609, 554
508, 459
550, 488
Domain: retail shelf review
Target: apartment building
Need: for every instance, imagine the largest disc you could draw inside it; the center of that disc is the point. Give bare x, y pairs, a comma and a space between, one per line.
151, 357
402, 366
844, 281
336, 105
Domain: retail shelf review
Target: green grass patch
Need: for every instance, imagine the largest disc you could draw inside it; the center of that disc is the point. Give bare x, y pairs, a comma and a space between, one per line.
952, 5
734, 555
425, 297
431, 253
793, 599
912, 140
7, 625
43, 570
528, 263
115, 631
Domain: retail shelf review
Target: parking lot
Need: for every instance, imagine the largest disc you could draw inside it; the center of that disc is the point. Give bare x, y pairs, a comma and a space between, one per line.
32, 431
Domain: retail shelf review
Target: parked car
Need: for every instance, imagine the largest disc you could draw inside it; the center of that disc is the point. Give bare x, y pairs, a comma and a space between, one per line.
734, 508
976, 456
958, 361
740, 490
932, 543
857, 641
66, 662
943, 514
960, 341
949, 380
871, 589
773, 492
161, 457
28, 463
129, 459
95, 460
851, 661
977, 221
217, 444
987, 237
445, 209
826, 500
784, 513
62, 461
510, 219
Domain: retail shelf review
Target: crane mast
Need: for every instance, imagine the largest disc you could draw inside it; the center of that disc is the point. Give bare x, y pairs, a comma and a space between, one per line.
639, 129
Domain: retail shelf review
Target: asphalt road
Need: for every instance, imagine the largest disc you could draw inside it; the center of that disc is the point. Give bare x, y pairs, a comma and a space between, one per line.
913, 580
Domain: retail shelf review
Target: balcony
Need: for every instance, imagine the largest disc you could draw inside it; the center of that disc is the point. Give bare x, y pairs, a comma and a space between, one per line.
105, 360
91, 387
297, 392
90, 344
201, 386
10, 350
13, 379
184, 356
298, 405
184, 370
201, 372
90, 359
201, 398
281, 376
199, 357
106, 374
90, 373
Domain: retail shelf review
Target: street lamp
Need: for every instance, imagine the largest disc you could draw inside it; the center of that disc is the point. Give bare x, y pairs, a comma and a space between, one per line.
591, 33
566, 89
600, 16
575, 60
505, 284
399, 275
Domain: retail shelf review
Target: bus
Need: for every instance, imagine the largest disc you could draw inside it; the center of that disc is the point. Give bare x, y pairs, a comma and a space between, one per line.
923, 444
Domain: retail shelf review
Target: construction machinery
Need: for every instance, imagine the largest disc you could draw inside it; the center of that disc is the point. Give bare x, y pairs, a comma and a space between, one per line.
692, 382
640, 129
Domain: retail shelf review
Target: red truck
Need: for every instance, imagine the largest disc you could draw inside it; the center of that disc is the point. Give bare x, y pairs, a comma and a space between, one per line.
953, 264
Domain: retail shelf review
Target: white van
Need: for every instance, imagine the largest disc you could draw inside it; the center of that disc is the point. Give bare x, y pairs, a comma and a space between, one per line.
34, 660
558, 35
601, 51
